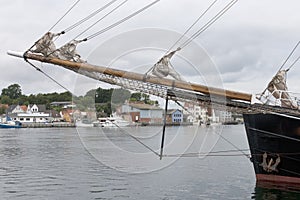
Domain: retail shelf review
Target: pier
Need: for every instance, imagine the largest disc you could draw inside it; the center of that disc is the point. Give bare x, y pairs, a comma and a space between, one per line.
49, 125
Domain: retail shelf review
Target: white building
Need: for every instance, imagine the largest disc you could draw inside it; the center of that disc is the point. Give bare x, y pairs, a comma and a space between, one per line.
33, 114
225, 116
195, 113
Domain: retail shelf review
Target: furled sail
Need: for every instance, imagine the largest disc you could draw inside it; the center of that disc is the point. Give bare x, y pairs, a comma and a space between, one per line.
278, 88
45, 45
164, 68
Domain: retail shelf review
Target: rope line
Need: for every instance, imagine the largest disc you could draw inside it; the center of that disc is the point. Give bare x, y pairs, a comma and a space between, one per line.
184, 34
292, 52
136, 139
286, 60
65, 14
219, 153
48, 76
89, 16
213, 153
202, 29
297, 59
110, 12
237, 148
210, 22
274, 134
233, 145
121, 21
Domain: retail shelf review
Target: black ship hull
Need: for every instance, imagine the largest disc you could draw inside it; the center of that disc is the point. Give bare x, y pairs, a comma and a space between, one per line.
274, 141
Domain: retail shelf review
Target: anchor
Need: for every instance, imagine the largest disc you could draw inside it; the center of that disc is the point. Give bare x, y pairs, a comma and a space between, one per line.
270, 167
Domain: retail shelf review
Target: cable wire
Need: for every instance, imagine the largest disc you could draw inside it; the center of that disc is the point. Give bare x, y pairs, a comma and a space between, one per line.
292, 52
122, 3
89, 16
136, 139
65, 14
184, 34
48, 76
209, 23
293, 63
121, 21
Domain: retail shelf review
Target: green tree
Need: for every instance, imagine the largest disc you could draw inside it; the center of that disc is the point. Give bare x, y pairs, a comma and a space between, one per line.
136, 96
2, 110
13, 91
145, 98
6, 99
119, 96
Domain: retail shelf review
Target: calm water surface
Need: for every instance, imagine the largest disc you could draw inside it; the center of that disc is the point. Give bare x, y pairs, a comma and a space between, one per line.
92, 163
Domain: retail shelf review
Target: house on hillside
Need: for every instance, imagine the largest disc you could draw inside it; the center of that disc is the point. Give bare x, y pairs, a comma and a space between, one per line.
144, 113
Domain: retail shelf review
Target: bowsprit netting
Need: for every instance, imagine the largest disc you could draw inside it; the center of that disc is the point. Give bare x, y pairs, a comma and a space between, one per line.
140, 86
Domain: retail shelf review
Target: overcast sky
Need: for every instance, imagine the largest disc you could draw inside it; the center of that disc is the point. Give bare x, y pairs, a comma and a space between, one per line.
247, 45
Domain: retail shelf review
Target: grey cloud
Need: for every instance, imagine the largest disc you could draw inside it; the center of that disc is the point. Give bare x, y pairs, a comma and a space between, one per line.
244, 48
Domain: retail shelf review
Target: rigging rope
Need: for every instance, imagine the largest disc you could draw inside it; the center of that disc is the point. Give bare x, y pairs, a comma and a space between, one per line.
209, 23
194, 36
89, 16
65, 14
212, 153
275, 134
292, 52
47, 75
184, 34
284, 63
136, 139
122, 3
121, 21
293, 63
226, 140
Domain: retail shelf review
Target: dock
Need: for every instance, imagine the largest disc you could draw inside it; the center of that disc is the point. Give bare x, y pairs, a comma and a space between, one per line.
49, 125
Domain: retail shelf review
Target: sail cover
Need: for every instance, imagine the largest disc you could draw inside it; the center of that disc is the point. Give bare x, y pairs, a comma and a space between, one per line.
164, 68
278, 88
45, 45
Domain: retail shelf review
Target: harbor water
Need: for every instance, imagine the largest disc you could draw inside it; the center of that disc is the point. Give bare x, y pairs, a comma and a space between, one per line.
113, 163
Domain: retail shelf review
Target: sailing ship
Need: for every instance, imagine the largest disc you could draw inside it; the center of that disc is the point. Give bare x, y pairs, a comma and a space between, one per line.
272, 127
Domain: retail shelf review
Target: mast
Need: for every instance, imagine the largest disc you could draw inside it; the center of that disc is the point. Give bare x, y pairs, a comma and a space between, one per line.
76, 66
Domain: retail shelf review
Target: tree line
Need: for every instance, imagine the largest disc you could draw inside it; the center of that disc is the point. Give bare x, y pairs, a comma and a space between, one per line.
104, 101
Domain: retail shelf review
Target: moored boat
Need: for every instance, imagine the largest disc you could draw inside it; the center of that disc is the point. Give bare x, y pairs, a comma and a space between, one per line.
11, 124
106, 122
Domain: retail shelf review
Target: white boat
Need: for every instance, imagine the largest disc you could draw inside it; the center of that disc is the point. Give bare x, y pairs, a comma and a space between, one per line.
83, 123
111, 122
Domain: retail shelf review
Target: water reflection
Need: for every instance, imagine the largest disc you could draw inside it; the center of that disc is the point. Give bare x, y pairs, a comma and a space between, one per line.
269, 191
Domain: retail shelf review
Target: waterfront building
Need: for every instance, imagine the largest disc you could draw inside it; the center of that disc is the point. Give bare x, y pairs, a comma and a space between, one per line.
174, 116
31, 114
144, 113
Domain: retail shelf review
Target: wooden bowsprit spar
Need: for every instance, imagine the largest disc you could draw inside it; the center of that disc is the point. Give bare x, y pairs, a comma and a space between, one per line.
114, 74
